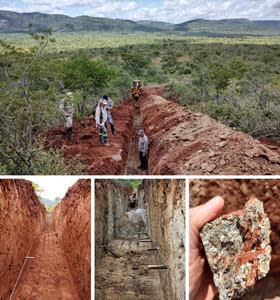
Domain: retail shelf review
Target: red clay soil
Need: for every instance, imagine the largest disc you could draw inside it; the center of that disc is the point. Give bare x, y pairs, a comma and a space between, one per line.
47, 275
236, 193
99, 159
182, 142
72, 219
21, 218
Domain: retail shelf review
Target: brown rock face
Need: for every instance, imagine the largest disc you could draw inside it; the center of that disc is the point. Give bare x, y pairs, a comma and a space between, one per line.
182, 142
72, 218
21, 218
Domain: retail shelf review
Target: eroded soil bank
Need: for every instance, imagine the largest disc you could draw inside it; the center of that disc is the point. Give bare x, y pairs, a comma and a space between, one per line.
125, 248
22, 217
182, 142
235, 194
72, 221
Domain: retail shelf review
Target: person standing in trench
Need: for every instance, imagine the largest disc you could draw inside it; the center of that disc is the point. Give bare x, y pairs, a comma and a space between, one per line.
143, 147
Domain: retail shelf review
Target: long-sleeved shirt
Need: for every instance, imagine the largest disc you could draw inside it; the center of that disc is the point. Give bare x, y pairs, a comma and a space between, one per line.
143, 144
100, 115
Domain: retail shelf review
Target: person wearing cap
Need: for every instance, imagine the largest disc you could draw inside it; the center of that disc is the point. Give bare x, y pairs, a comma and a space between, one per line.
109, 108
66, 108
101, 119
143, 147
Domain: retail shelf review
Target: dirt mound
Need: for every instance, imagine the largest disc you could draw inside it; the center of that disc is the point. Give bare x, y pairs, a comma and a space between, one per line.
99, 159
72, 220
21, 218
236, 193
182, 142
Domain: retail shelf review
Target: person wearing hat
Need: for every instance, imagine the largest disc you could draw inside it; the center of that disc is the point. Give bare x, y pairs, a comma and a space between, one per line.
66, 108
109, 108
101, 119
143, 147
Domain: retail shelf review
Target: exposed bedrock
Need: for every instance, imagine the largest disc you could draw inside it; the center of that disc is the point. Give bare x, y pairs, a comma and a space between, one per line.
22, 217
183, 142
166, 214
72, 219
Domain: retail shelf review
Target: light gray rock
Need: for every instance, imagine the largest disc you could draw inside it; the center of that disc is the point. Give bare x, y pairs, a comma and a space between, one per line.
237, 248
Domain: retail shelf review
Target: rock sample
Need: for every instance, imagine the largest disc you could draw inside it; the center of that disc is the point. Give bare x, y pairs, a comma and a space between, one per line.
238, 249
22, 217
72, 219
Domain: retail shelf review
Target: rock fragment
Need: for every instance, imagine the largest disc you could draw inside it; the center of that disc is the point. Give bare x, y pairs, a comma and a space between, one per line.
238, 249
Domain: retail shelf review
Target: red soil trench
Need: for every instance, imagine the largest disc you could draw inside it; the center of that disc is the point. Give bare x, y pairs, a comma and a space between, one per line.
46, 274
181, 142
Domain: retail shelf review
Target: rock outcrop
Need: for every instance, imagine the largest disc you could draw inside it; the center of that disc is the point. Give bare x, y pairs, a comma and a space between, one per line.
72, 220
183, 142
22, 217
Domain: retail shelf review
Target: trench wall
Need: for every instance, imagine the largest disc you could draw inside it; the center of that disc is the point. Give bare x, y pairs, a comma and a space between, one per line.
166, 210
22, 217
72, 220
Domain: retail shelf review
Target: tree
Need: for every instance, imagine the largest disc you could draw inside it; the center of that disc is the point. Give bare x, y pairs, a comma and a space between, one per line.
82, 74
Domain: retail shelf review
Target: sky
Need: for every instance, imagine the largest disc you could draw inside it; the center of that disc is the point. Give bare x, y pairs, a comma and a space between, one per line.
173, 11
53, 186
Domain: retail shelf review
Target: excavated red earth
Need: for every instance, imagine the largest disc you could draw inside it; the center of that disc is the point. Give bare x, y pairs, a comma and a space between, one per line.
236, 193
99, 159
182, 142
72, 221
21, 219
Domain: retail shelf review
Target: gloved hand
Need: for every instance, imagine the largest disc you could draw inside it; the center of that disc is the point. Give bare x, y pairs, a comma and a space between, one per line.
201, 281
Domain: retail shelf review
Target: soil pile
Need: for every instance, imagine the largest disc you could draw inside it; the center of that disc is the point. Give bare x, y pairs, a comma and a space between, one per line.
72, 220
21, 218
183, 142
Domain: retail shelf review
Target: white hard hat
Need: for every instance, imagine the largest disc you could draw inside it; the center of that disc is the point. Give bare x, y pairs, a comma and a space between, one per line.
69, 94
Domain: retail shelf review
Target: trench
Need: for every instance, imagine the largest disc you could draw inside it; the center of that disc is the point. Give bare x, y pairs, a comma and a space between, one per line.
139, 252
123, 273
132, 163
46, 274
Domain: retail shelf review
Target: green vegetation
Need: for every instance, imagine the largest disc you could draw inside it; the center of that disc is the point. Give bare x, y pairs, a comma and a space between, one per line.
134, 183
234, 80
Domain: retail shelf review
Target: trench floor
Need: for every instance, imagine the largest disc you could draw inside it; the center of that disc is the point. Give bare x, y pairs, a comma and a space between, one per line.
47, 275
125, 276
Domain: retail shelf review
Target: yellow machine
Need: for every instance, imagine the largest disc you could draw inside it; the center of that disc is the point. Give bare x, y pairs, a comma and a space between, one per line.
136, 90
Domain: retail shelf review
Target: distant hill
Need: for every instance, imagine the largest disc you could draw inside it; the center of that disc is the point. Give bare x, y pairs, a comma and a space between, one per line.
18, 22
229, 26
13, 22
46, 201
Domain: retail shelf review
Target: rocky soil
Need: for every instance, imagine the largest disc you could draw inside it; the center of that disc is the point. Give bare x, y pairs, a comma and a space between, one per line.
72, 221
183, 142
236, 193
21, 219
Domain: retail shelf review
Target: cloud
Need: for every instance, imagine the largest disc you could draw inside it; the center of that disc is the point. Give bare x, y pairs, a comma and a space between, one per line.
174, 11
